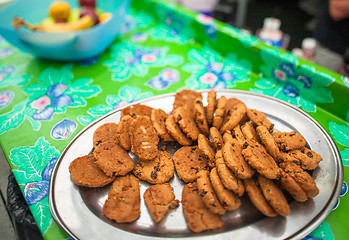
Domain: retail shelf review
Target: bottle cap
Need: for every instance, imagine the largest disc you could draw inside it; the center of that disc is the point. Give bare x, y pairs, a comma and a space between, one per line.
309, 43
297, 52
271, 23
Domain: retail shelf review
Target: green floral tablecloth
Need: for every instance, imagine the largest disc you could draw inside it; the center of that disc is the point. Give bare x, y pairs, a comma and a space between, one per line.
163, 48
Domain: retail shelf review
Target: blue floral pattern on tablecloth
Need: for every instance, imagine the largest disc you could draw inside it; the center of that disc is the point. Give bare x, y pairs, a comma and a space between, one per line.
126, 95
164, 79
297, 84
9, 76
54, 93
35, 164
209, 70
128, 59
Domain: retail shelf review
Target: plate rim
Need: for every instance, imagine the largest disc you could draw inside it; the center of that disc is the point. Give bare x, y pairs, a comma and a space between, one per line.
302, 232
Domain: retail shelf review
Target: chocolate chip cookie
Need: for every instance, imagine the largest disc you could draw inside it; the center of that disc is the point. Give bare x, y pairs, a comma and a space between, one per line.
159, 170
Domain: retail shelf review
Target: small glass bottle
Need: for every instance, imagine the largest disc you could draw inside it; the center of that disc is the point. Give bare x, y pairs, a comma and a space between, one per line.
271, 33
308, 48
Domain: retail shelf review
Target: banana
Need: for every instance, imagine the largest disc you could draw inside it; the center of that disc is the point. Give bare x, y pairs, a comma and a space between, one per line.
82, 23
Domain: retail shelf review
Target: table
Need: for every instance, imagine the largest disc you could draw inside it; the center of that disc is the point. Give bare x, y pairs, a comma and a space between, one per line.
163, 48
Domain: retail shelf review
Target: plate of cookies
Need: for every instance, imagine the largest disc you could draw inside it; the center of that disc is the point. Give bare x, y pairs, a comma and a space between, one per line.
210, 164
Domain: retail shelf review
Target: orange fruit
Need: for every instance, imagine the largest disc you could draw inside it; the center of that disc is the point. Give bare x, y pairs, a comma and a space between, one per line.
60, 11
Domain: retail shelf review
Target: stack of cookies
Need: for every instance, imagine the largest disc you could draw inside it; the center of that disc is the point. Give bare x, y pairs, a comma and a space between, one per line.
224, 150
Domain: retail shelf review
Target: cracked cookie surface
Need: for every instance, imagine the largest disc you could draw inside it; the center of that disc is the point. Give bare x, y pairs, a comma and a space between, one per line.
160, 200
123, 202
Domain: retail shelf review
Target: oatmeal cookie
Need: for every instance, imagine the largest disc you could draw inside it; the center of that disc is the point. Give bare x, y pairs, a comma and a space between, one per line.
228, 179
207, 193
160, 200
84, 172
274, 196
256, 196
289, 140
188, 162
144, 139
211, 105
158, 117
216, 138
227, 198
206, 150
106, 132
219, 112
268, 141
197, 216
258, 158
308, 159
112, 159
173, 128
200, 117
233, 158
259, 118
159, 170
123, 202
123, 132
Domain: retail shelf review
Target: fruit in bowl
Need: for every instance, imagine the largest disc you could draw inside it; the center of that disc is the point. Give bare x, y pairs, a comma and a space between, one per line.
76, 39
60, 11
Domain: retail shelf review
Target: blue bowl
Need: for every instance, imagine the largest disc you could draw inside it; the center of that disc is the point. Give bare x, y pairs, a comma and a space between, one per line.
69, 46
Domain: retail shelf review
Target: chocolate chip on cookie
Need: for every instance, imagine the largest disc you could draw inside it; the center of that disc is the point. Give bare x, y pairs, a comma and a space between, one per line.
188, 162
288, 141
159, 170
309, 159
